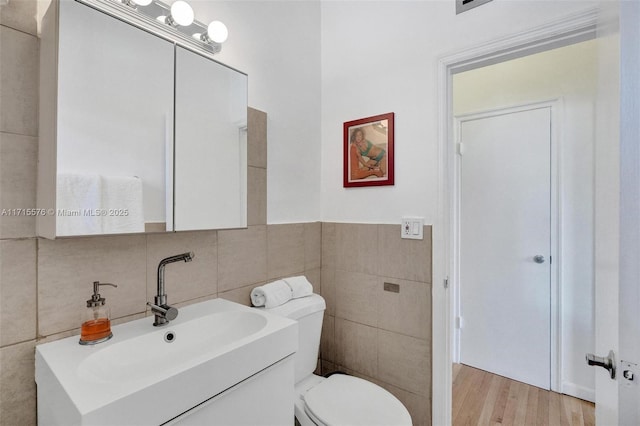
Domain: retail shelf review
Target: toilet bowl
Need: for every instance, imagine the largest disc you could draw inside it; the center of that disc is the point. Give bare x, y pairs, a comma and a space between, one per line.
340, 399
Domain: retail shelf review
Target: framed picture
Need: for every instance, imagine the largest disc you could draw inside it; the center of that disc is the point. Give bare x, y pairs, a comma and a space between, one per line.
368, 151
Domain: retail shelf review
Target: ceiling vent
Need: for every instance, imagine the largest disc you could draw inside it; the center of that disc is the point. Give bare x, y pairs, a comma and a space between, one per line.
464, 5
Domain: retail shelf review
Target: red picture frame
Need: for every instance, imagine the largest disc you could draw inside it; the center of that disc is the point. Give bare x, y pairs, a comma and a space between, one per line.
368, 151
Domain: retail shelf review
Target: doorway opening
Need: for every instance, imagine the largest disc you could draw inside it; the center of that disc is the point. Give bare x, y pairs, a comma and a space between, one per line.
564, 278
523, 220
567, 32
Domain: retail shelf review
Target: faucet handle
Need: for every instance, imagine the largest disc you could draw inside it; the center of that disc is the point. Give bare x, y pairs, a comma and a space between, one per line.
169, 313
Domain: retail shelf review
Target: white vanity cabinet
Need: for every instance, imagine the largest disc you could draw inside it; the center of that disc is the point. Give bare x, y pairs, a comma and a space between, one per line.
121, 109
263, 399
226, 364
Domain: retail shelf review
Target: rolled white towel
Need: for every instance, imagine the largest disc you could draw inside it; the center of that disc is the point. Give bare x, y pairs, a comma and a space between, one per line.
271, 295
300, 286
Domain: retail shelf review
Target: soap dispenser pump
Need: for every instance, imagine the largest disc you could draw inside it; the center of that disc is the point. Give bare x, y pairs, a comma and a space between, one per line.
96, 321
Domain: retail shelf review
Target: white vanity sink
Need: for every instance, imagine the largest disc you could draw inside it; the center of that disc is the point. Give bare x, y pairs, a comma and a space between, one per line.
153, 375
169, 349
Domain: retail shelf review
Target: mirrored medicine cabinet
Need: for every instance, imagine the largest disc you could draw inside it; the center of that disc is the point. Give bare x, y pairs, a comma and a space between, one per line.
138, 133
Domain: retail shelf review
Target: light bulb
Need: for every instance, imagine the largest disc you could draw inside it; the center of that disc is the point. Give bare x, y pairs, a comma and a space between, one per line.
217, 31
181, 13
142, 2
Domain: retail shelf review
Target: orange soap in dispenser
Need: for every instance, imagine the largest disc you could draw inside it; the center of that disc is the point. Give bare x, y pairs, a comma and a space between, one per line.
96, 321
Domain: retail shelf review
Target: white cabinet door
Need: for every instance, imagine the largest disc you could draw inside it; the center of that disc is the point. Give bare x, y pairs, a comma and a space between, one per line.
266, 398
210, 144
114, 110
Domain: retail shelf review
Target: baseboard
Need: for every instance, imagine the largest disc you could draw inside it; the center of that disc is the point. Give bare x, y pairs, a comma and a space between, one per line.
581, 392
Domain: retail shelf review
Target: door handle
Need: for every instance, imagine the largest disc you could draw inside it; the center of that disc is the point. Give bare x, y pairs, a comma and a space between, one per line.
538, 258
608, 362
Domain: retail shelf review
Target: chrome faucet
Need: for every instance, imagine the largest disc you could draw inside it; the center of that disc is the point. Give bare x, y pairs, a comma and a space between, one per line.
163, 312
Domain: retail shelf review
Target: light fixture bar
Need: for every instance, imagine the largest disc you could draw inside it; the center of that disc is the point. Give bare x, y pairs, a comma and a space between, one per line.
147, 18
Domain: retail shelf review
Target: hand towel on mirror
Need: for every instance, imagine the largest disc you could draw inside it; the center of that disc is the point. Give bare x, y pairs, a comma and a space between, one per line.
78, 200
122, 203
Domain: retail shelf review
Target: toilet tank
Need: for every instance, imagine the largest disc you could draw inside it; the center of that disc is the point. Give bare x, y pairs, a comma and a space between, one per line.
308, 311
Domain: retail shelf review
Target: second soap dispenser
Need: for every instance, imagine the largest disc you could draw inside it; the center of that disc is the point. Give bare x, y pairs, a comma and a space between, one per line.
96, 321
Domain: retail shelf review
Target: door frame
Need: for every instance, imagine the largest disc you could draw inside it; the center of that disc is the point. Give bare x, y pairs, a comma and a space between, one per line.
564, 31
555, 308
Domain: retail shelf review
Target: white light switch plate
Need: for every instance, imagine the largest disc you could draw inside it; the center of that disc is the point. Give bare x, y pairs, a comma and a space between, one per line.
412, 228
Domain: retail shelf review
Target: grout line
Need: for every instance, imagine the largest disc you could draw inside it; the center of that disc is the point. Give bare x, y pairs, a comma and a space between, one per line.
37, 288
4, 132
22, 31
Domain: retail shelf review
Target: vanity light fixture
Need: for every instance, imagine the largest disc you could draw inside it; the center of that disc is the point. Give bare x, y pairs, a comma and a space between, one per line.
181, 14
216, 32
135, 3
178, 19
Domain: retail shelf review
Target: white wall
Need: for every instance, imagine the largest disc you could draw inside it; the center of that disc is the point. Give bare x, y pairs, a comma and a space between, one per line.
343, 60
277, 43
568, 73
380, 57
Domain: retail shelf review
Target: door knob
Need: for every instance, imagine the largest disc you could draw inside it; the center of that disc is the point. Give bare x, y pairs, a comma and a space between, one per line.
608, 363
538, 259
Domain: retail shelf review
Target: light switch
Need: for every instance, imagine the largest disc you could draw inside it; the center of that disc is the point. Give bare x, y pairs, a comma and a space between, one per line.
412, 228
415, 229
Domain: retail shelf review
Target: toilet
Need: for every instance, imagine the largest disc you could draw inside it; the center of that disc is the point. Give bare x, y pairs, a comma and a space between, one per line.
339, 399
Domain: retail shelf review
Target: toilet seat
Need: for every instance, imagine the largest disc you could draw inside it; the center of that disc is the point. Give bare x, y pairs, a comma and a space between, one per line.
346, 400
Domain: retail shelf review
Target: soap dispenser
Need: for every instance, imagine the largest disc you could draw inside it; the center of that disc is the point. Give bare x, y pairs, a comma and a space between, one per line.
96, 321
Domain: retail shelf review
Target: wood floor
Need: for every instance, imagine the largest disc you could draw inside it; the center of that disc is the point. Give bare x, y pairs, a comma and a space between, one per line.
482, 398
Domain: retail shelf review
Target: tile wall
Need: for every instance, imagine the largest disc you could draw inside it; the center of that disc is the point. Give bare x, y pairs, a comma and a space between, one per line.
382, 336
379, 335
18, 160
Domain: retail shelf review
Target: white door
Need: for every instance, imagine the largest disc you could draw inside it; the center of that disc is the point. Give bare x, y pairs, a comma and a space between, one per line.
607, 211
629, 315
617, 213
505, 244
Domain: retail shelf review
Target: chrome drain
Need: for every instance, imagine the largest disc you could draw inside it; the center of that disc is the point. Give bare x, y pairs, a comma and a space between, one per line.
169, 337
